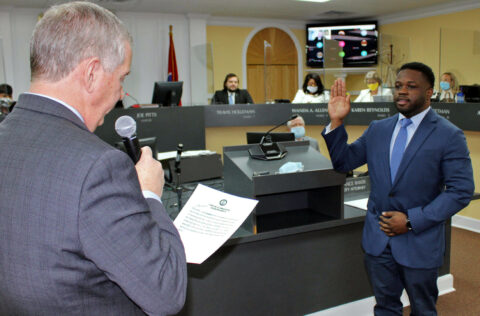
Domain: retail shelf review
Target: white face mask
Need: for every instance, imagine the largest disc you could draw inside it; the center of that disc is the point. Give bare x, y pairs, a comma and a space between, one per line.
299, 131
312, 89
5, 102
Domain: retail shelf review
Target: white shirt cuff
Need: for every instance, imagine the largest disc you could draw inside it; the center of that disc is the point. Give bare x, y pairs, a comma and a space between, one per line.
151, 195
328, 129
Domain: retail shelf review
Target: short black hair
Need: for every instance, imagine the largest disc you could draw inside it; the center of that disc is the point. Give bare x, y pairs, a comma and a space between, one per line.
318, 81
228, 76
6, 88
424, 69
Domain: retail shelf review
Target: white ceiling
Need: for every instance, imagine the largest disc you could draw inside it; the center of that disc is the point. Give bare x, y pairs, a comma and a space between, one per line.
274, 9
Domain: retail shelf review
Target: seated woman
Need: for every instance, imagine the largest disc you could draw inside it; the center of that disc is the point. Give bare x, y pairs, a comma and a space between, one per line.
312, 91
374, 84
448, 88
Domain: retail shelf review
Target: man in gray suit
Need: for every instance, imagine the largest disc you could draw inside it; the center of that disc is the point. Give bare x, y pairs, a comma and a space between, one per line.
297, 126
77, 237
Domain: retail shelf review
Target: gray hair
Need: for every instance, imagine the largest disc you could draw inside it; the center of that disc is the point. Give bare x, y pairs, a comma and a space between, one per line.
289, 123
69, 33
373, 75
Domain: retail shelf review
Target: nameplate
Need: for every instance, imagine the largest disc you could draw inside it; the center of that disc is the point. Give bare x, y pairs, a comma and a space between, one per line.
357, 185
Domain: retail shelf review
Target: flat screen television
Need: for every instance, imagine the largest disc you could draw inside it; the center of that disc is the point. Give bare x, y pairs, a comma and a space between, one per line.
167, 93
339, 45
256, 137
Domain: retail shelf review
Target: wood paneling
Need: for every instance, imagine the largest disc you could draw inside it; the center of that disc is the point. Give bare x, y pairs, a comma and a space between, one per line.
281, 52
281, 82
281, 66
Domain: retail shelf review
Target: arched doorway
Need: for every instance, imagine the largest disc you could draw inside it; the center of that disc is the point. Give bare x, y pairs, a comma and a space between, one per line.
272, 66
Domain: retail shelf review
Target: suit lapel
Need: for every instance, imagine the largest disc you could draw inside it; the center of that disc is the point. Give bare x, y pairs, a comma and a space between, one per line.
425, 128
225, 95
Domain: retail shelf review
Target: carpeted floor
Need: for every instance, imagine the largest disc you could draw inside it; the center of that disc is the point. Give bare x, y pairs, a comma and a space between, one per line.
465, 268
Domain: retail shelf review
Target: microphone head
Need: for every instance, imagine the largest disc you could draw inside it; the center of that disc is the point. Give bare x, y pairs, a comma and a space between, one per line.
125, 126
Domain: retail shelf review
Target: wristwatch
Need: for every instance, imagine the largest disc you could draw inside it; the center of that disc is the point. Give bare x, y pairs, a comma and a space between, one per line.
409, 224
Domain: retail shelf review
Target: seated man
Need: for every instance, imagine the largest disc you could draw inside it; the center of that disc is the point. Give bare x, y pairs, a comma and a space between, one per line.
230, 93
297, 127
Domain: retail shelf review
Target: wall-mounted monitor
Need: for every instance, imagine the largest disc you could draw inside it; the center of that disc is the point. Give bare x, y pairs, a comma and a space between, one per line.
342, 45
167, 93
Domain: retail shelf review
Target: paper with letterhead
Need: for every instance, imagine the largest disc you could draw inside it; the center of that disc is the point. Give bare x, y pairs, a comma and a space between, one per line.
208, 219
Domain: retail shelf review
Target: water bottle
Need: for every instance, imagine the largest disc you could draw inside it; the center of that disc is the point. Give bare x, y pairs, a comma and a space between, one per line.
460, 97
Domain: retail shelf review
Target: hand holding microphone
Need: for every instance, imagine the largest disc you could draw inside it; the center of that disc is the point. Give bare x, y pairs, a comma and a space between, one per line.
126, 127
149, 171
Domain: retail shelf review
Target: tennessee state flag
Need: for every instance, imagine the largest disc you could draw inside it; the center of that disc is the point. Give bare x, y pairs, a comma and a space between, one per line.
172, 61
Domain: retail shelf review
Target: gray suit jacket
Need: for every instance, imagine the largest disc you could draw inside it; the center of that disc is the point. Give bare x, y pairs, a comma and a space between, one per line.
76, 235
313, 142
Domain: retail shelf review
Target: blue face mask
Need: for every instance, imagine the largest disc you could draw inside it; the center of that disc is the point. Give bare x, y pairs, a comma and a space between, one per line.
291, 167
444, 85
299, 131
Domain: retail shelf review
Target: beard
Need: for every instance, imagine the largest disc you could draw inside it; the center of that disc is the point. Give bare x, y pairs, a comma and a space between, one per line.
413, 107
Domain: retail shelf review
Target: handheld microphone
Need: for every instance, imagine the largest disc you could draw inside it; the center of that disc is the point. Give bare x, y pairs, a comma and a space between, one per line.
178, 157
266, 136
125, 126
134, 99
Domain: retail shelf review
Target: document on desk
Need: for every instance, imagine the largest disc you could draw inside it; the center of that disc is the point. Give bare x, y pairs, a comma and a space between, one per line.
208, 219
361, 203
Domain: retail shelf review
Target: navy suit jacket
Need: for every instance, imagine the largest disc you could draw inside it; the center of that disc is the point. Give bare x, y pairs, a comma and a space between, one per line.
241, 97
77, 237
434, 181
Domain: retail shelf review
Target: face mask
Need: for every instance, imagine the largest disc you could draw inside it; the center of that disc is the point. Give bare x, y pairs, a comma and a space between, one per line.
312, 89
445, 85
372, 86
291, 167
5, 102
299, 131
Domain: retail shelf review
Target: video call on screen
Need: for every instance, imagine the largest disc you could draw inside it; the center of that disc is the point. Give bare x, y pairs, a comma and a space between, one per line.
345, 45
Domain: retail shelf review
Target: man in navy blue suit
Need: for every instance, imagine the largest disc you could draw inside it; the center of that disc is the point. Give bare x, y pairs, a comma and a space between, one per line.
421, 175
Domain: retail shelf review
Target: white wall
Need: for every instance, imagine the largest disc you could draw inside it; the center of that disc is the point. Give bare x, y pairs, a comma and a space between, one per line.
150, 50
150, 53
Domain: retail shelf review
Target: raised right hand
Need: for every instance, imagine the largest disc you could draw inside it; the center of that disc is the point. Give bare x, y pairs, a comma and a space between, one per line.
150, 172
339, 104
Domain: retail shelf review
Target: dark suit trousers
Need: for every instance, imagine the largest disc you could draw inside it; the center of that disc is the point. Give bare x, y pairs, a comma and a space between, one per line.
388, 279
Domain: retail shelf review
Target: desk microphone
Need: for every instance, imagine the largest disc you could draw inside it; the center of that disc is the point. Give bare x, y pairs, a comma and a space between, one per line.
266, 137
178, 157
134, 99
125, 126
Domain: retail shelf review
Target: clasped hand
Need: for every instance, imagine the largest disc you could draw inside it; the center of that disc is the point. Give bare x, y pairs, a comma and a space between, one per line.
393, 223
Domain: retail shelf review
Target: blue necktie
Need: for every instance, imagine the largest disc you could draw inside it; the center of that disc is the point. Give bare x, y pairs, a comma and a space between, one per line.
230, 99
399, 147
